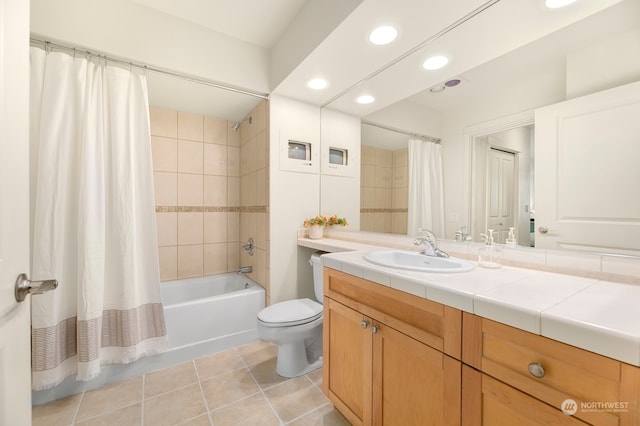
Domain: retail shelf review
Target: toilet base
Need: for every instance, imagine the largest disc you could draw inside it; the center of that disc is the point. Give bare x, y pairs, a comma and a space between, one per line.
293, 361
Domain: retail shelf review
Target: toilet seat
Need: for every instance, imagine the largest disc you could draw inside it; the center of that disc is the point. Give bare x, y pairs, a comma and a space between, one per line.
290, 313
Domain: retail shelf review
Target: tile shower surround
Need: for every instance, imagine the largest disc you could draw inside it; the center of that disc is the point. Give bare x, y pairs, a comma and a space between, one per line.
384, 190
211, 186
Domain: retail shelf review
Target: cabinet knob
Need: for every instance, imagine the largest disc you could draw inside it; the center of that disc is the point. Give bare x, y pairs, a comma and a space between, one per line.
364, 324
536, 369
374, 329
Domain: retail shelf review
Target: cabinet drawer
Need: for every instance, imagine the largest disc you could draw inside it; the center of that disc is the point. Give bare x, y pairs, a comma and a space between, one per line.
554, 372
429, 322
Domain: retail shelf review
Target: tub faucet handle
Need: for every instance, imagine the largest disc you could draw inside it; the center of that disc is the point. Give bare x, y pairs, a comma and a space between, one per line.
249, 246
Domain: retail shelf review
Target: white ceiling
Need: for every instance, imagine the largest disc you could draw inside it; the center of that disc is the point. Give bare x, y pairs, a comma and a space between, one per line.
257, 22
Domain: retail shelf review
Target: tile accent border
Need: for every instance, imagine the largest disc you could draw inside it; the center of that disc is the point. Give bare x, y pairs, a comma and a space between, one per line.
363, 210
210, 209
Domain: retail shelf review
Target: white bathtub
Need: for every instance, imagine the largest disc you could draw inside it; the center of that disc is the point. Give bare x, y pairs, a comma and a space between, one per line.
202, 315
218, 311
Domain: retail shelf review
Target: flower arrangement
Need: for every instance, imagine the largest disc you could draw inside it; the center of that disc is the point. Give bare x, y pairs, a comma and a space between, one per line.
318, 220
335, 220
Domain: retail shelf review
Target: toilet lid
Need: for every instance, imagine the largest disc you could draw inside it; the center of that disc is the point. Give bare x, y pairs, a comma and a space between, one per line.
290, 312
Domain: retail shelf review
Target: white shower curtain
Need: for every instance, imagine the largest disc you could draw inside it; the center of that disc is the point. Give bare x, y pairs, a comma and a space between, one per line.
426, 192
93, 218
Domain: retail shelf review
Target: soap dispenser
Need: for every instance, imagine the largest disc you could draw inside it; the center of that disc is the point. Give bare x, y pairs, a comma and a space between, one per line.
490, 256
511, 239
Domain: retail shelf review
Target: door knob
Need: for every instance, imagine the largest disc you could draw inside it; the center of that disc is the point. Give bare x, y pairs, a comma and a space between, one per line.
364, 324
374, 329
543, 230
25, 286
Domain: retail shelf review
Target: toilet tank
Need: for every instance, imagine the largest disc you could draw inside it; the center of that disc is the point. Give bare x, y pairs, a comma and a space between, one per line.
316, 264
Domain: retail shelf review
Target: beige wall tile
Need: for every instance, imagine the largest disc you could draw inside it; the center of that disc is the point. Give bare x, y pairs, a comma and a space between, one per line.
261, 230
215, 227
233, 226
262, 151
233, 194
400, 198
399, 223
167, 224
165, 154
190, 189
190, 261
215, 159
190, 126
233, 161
215, 130
382, 198
260, 272
367, 197
164, 122
368, 176
233, 256
165, 186
401, 177
248, 190
368, 155
401, 157
215, 191
190, 228
384, 177
248, 157
384, 158
262, 187
190, 157
260, 116
215, 258
168, 258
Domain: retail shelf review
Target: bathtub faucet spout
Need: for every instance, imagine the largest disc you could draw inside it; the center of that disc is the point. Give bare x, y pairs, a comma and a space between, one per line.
244, 270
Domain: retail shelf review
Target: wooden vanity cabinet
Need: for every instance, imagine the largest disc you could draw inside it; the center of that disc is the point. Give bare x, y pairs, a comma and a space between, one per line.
515, 377
389, 357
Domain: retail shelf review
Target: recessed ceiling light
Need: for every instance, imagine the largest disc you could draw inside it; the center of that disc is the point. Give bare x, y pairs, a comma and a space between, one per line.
365, 99
435, 62
317, 83
556, 4
383, 35
437, 89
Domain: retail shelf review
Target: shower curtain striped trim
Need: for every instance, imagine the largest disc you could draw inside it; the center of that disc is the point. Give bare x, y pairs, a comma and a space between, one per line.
120, 328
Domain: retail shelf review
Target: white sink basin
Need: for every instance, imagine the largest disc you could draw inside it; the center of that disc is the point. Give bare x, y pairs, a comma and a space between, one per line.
414, 261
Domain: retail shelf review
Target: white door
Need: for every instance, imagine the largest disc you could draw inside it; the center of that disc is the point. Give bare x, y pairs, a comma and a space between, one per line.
15, 348
587, 153
501, 193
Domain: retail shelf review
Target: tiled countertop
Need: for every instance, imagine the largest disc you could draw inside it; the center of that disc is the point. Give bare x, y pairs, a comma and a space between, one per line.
596, 315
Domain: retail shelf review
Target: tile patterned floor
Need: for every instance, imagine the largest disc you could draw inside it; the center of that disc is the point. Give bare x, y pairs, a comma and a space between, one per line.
237, 387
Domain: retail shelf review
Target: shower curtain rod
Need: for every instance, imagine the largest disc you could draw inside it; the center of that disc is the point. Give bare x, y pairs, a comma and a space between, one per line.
404, 132
48, 45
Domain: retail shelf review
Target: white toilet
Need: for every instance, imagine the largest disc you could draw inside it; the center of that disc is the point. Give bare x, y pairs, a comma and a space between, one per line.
296, 327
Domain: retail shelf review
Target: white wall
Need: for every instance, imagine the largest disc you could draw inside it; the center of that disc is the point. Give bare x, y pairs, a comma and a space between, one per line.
294, 196
340, 189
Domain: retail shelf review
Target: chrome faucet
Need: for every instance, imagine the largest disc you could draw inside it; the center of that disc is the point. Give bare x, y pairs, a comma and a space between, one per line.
244, 270
249, 246
430, 242
462, 233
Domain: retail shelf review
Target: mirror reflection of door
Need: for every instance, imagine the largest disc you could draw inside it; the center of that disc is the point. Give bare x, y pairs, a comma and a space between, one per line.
503, 167
501, 193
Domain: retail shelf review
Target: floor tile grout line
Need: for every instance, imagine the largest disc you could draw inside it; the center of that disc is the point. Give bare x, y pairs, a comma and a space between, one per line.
204, 398
144, 381
77, 410
275, 413
309, 412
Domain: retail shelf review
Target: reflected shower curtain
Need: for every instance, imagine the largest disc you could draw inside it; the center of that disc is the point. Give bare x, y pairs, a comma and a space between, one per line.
93, 219
426, 191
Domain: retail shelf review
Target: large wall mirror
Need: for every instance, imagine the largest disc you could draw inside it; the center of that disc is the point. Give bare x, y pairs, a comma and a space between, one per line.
483, 118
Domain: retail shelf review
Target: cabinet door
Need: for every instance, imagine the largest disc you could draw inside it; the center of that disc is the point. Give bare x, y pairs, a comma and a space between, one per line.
413, 384
487, 401
347, 361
